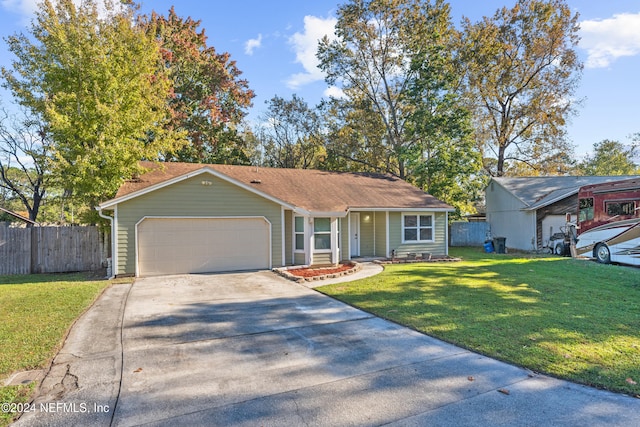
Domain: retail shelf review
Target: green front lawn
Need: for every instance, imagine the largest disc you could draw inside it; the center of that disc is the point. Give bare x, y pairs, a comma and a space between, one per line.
35, 313
572, 319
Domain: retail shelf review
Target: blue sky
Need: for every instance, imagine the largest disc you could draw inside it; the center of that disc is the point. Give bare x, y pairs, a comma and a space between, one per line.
273, 43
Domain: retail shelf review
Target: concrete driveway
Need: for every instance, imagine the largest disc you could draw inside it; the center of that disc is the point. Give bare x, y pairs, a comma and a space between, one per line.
257, 350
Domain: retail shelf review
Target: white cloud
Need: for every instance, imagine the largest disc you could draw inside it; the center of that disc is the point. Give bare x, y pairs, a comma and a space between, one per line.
22, 7
334, 92
608, 39
252, 44
27, 8
305, 46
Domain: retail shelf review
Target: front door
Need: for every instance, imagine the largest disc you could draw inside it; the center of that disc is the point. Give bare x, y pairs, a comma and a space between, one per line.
355, 234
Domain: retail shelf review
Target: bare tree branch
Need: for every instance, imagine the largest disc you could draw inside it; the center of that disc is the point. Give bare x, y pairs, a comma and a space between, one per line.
24, 159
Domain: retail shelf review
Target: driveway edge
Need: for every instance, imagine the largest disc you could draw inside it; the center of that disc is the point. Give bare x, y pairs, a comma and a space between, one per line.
82, 383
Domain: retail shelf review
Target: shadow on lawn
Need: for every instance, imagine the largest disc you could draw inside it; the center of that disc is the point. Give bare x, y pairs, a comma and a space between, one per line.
30, 279
525, 311
206, 358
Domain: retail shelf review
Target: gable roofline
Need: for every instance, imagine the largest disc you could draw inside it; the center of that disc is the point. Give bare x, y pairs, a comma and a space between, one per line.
494, 180
18, 216
305, 192
541, 191
110, 204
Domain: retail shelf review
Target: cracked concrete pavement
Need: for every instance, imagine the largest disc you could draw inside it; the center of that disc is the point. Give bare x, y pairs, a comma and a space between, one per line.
255, 349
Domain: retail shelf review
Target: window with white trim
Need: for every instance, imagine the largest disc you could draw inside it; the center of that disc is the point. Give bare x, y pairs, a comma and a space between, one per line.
298, 228
417, 228
322, 234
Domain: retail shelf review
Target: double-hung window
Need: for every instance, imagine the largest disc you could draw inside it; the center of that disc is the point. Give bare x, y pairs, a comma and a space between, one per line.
417, 228
322, 234
299, 233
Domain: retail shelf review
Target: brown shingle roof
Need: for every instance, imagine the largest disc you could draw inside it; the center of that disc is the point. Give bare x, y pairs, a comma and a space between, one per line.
312, 190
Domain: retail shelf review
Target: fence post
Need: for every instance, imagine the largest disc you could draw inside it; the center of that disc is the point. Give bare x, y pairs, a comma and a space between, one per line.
33, 262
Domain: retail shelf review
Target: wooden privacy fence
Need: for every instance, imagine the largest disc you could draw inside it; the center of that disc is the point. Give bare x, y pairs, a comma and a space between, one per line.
473, 233
50, 249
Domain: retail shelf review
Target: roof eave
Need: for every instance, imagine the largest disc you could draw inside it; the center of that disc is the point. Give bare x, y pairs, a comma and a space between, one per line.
537, 206
18, 216
325, 214
402, 209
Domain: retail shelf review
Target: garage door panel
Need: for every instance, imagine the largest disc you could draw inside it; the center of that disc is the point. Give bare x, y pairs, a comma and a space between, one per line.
201, 245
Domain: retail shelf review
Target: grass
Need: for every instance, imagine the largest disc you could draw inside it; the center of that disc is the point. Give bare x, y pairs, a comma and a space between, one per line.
572, 319
35, 313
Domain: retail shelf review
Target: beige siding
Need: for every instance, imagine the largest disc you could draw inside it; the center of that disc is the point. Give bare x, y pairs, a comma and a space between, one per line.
298, 258
381, 234
438, 247
288, 237
191, 198
322, 259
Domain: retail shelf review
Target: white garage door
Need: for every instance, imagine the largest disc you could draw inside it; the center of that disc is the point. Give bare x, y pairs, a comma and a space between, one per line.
202, 245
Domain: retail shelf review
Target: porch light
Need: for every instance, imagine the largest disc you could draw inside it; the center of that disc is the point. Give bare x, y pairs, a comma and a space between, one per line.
367, 217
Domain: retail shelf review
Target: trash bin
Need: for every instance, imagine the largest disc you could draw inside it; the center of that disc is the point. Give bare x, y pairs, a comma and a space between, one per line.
488, 247
500, 243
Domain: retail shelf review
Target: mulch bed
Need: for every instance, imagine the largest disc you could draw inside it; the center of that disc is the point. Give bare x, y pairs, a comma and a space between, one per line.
308, 274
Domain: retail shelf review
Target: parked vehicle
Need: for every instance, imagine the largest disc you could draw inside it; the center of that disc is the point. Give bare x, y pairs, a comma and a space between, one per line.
560, 243
608, 224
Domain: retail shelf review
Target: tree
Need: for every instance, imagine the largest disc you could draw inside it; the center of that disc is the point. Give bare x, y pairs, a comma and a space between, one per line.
443, 159
25, 159
610, 158
208, 98
521, 73
95, 83
291, 136
371, 60
354, 137
394, 60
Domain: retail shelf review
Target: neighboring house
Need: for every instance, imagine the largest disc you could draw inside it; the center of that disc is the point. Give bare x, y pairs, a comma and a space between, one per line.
18, 216
527, 211
191, 218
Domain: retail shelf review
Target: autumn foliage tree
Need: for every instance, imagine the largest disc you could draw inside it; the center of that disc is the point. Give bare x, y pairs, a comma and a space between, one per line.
208, 99
522, 71
90, 77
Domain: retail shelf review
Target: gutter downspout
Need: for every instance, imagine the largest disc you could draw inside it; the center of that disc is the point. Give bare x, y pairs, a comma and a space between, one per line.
110, 218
